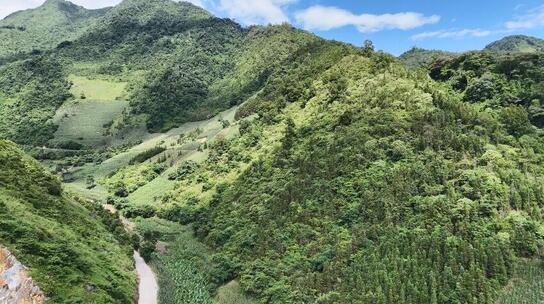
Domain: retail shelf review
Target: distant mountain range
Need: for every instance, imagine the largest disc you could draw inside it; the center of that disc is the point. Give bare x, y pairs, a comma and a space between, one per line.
418, 57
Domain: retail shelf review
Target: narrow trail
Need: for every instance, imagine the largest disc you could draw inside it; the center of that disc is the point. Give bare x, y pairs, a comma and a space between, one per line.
147, 286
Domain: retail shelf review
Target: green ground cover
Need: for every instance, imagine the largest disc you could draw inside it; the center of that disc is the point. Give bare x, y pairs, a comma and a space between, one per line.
73, 255
84, 121
526, 286
96, 89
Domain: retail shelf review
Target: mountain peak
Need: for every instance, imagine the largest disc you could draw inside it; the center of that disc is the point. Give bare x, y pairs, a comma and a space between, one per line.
142, 10
517, 44
45, 26
53, 2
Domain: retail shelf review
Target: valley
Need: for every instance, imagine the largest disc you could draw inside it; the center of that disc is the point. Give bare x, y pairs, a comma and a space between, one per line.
181, 144
152, 152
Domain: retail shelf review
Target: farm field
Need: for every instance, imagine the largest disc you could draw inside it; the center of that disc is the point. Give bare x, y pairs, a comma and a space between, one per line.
183, 267
184, 251
87, 119
83, 121
97, 89
527, 285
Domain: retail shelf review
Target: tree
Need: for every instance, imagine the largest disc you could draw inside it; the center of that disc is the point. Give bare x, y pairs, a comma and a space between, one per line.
516, 120
368, 47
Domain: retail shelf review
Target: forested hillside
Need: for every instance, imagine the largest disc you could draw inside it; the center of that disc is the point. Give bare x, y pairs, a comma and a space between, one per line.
514, 82
375, 179
31, 90
73, 255
43, 28
422, 58
517, 44
265, 164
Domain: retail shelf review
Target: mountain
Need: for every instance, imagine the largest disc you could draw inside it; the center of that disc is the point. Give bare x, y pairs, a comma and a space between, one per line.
44, 27
422, 58
31, 90
71, 254
265, 164
332, 191
517, 44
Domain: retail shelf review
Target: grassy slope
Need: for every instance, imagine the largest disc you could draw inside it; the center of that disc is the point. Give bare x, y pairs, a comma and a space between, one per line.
176, 268
83, 120
68, 250
86, 119
98, 89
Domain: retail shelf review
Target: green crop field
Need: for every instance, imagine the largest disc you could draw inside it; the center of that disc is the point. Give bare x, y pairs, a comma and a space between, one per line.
527, 285
99, 89
80, 121
184, 266
83, 120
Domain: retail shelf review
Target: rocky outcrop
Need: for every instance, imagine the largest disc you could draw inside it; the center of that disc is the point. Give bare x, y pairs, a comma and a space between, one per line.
16, 286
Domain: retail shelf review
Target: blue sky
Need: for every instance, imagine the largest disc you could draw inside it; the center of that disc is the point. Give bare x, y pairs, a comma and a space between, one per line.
393, 25
463, 24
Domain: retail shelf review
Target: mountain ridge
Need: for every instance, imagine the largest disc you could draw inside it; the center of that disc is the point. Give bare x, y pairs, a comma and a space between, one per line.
44, 27
338, 175
517, 43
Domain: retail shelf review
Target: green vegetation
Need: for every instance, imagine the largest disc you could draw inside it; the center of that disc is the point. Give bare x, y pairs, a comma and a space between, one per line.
517, 44
45, 27
231, 293
147, 154
526, 286
422, 58
34, 89
87, 122
182, 266
97, 89
512, 83
129, 179
73, 256
340, 175
318, 223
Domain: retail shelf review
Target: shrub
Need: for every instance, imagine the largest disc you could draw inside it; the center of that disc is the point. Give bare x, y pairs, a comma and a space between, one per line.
142, 157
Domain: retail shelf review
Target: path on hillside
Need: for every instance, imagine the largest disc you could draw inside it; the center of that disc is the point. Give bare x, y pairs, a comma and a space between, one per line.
147, 283
148, 288
204, 131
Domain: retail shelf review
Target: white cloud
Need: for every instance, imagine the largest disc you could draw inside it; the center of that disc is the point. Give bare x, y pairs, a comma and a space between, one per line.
454, 34
533, 19
256, 11
324, 18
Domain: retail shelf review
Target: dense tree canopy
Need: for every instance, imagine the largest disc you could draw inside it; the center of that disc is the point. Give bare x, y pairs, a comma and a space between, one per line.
345, 177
